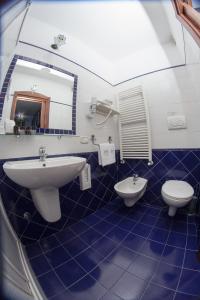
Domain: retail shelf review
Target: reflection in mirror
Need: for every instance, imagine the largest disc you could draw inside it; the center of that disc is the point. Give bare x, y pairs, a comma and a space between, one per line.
30, 111
39, 99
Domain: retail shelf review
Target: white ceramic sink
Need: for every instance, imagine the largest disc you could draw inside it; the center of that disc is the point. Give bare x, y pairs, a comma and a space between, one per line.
34, 174
43, 178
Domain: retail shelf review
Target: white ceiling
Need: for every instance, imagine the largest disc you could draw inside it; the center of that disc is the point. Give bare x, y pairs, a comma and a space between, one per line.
113, 29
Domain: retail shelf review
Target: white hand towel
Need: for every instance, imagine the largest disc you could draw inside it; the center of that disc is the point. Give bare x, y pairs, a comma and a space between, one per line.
112, 154
106, 154
85, 178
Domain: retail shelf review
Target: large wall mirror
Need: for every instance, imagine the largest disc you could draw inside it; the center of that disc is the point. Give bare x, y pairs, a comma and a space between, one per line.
38, 98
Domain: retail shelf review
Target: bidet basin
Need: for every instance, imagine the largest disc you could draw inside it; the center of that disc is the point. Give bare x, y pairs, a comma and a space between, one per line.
131, 190
43, 178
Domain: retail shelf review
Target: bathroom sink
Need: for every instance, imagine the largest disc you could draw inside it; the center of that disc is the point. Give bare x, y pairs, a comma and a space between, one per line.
34, 173
43, 178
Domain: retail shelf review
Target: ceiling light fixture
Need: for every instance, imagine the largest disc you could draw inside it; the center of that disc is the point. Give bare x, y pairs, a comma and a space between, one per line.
58, 41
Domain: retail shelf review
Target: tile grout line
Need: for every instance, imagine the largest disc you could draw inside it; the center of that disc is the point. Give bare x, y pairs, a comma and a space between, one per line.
177, 287
67, 288
135, 258
159, 262
117, 225
105, 235
138, 222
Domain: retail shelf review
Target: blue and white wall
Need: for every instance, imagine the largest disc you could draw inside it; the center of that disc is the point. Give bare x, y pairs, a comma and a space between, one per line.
75, 204
176, 154
89, 86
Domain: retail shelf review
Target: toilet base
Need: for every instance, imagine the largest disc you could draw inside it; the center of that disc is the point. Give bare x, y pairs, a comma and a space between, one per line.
172, 211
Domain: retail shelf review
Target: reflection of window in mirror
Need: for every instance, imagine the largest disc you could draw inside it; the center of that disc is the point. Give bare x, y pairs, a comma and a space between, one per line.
187, 12
30, 110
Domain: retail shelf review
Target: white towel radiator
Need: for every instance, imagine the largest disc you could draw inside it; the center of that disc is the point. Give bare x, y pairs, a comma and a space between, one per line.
134, 126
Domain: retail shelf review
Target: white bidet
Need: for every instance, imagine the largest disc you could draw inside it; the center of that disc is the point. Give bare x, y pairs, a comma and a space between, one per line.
131, 190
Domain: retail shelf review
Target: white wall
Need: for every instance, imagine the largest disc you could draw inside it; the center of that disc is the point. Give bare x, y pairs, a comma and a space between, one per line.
160, 54
9, 36
88, 86
135, 37
74, 50
150, 59
57, 88
167, 92
175, 27
60, 116
171, 91
192, 49
174, 91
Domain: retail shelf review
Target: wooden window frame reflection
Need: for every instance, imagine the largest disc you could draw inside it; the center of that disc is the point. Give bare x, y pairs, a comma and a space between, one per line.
189, 17
33, 97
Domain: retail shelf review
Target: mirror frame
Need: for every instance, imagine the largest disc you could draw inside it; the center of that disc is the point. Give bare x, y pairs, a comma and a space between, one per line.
41, 130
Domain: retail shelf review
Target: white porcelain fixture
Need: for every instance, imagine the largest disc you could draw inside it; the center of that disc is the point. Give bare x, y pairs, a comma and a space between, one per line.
176, 193
131, 189
43, 178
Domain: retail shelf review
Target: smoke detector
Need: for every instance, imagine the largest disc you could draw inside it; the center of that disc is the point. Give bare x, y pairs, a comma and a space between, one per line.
59, 40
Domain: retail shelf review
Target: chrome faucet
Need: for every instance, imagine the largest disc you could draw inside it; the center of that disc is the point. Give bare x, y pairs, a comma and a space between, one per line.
42, 153
135, 177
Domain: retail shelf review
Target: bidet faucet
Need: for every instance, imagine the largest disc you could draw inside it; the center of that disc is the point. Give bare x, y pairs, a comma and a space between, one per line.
42, 153
135, 177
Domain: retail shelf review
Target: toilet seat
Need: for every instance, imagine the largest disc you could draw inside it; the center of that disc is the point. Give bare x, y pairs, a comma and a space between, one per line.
176, 194
177, 190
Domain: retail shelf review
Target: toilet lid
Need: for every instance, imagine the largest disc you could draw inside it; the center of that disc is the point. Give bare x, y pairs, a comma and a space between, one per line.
178, 189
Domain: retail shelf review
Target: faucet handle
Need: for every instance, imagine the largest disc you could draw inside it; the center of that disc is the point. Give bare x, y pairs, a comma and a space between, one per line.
135, 175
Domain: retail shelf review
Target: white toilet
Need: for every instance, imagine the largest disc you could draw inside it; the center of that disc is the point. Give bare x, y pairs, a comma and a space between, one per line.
176, 193
131, 189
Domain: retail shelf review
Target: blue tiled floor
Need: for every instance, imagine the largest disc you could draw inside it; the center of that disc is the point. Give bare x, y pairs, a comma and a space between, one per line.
120, 253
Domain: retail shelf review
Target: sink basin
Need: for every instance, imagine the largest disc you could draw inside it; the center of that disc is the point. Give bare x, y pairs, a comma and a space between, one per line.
43, 178
34, 174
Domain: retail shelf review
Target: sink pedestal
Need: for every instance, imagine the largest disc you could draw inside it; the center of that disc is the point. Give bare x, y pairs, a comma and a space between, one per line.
43, 179
47, 202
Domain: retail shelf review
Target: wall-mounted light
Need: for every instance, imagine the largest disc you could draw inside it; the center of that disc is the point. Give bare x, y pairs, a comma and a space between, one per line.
58, 41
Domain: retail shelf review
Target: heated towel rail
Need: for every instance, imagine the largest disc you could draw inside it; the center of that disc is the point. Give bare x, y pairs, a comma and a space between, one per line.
134, 125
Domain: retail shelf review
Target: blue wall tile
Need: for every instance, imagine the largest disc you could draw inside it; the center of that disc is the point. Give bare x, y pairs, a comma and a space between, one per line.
181, 164
75, 204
